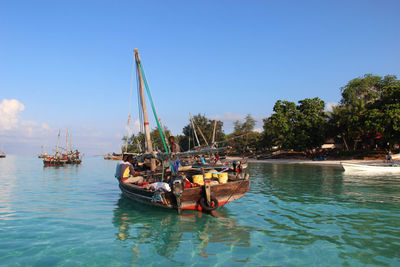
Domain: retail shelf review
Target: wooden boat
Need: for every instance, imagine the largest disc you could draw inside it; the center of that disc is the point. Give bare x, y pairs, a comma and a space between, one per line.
372, 167
184, 193
2, 154
69, 157
54, 161
116, 157
189, 198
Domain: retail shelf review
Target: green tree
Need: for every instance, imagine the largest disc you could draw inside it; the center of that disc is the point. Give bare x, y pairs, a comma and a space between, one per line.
383, 115
311, 124
134, 143
296, 127
369, 106
244, 138
279, 128
206, 126
349, 115
157, 141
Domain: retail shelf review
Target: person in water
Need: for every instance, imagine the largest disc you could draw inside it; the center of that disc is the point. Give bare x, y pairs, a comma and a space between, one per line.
127, 172
174, 146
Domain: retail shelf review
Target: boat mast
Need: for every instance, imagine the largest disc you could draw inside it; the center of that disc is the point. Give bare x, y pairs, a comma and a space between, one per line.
213, 136
149, 146
58, 140
66, 137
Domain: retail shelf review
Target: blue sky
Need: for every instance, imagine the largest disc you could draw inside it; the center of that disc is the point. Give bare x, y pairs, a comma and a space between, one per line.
69, 63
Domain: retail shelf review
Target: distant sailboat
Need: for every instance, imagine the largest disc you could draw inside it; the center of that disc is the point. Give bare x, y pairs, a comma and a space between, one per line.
70, 157
2, 154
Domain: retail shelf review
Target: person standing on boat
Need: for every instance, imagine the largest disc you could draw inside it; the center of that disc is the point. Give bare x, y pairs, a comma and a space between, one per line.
127, 172
175, 148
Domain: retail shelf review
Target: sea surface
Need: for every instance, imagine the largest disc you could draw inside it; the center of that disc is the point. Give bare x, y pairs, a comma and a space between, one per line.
293, 215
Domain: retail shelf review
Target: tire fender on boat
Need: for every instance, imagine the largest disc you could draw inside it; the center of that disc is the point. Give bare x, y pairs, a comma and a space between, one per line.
203, 204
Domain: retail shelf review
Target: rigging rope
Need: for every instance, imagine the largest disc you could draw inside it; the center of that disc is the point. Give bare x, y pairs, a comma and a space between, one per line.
160, 129
129, 108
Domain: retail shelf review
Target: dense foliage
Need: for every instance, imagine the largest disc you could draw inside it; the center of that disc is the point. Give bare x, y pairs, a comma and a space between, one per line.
294, 126
369, 112
243, 139
367, 116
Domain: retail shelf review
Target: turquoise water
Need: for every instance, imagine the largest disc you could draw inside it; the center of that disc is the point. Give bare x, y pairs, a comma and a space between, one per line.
293, 216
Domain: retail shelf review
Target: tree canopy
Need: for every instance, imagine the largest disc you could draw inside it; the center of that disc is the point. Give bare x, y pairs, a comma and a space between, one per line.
369, 107
294, 126
368, 113
244, 138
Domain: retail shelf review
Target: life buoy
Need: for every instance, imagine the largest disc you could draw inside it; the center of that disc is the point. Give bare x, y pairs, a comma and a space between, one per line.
213, 205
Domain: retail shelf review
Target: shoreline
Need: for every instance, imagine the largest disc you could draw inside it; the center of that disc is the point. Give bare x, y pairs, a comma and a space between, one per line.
335, 163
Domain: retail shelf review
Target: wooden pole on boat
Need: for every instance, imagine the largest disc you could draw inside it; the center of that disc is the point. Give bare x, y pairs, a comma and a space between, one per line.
202, 135
149, 146
58, 140
66, 137
213, 136
194, 129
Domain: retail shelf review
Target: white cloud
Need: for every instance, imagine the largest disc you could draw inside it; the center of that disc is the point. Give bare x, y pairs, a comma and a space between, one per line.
9, 113
330, 105
228, 116
258, 130
13, 129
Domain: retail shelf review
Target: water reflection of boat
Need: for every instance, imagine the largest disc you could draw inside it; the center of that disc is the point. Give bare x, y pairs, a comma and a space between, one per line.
138, 225
392, 167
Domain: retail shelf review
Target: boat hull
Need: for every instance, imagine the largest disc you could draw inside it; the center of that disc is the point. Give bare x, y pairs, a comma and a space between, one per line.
190, 198
354, 167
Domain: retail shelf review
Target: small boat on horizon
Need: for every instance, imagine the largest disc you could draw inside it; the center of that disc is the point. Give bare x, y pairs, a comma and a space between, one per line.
43, 155
2, 154
113, 156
